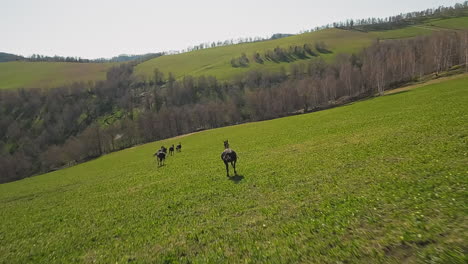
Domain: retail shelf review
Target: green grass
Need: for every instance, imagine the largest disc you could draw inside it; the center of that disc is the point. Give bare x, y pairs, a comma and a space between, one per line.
451, 23
382, 180
216, 61
407, 32
49, 74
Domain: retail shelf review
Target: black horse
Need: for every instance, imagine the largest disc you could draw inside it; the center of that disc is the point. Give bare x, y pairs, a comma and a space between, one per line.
229, 156
171, 150
179, 147
161, 155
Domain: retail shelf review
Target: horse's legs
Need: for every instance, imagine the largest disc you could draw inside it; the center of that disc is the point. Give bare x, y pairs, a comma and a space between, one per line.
227, 168
233, 163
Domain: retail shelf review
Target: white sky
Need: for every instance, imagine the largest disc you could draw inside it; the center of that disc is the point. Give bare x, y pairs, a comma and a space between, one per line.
106, 28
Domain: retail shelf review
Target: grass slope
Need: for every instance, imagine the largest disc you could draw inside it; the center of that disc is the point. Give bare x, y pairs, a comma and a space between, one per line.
379, 180
216, 61
49, 74
450, 23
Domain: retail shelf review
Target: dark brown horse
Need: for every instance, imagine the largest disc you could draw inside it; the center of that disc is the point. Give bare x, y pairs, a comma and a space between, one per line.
229, 156
179, 147
161, 155
171, 150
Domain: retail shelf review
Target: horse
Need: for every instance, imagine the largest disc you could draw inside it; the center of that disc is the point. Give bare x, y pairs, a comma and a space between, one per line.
171, 150
229, 156
179, 147
161, 155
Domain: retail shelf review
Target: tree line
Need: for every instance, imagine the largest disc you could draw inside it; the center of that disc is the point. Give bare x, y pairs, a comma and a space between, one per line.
364, 24
43, 130
278, 54
397, 21
120, 58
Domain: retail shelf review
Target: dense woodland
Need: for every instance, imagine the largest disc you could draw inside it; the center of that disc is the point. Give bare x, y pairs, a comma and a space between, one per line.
43, 130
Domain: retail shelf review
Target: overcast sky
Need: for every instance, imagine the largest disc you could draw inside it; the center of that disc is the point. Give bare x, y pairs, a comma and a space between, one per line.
106, 28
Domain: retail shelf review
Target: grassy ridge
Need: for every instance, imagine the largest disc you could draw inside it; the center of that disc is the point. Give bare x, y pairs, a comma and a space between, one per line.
49, 74
379, 180
450, 23
216, 61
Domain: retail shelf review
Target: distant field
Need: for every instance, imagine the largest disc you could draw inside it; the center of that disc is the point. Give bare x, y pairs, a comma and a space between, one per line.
49, 74
378, 181
216, 61
452, 23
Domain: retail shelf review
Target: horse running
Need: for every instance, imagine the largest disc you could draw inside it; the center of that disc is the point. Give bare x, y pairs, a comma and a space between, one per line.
229, 156
179, 147
171, 150
161, 155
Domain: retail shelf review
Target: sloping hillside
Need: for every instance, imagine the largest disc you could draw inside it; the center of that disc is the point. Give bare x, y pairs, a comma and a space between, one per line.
5, 57
22, 74
450, 23
383, 180
214, 61
217, 61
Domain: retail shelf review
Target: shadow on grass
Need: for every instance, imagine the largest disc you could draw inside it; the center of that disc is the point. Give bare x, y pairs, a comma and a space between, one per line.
236, 178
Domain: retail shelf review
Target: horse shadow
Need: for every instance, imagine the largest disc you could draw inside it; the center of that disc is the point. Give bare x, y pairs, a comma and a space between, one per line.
236, 178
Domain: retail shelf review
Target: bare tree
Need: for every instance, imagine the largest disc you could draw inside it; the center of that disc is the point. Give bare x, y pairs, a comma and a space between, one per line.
466, 48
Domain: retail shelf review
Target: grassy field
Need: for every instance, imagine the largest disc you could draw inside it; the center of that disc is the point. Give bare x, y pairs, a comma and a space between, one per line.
216, 61
382, 180
450, 23
49, 74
